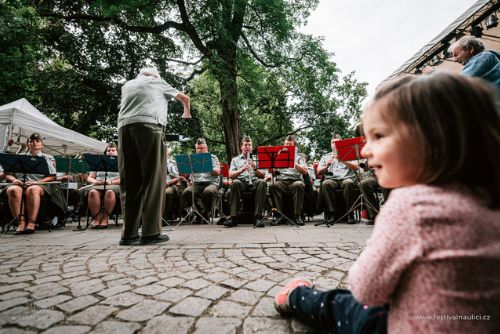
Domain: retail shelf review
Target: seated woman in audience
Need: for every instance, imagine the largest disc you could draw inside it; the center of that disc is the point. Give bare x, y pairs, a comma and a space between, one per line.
35, 187
95, 194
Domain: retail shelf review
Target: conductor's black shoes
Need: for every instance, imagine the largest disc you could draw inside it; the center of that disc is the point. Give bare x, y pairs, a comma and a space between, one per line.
155, 239
130, 242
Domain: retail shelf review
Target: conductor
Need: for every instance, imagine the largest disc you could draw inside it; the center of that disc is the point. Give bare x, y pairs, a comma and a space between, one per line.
142, 154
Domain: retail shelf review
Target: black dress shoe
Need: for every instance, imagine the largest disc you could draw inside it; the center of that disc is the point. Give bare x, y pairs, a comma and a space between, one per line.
155, 239
206, 218
280, 221
329, 221
351, 220
230, 223
298, 220
130, 242
259, 223
196, 220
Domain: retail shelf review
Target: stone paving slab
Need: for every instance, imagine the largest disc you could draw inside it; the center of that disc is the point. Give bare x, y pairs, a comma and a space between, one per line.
206, 279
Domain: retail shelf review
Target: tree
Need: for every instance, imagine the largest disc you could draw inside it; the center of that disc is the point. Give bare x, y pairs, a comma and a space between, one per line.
223, 34
268, 78
21, 49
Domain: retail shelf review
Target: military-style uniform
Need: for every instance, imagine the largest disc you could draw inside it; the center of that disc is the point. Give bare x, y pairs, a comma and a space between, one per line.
172, 194
53, 191
289, 179
241, 183
205, 184
339, 175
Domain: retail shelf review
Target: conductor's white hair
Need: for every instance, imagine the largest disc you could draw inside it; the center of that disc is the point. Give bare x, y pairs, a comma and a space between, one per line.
150, 72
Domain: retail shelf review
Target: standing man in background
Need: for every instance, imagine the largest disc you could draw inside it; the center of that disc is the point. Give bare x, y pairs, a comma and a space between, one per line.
142, 154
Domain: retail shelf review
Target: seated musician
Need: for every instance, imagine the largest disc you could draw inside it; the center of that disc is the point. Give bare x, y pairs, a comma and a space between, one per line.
369, 184
172, 193
337, 174
95, 194
35, 187
246, 177
290, 179
205, 185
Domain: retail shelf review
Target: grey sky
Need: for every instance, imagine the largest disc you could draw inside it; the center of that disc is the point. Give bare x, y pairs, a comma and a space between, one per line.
374, 38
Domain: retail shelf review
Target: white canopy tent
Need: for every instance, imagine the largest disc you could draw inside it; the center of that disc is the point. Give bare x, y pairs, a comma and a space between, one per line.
19, 119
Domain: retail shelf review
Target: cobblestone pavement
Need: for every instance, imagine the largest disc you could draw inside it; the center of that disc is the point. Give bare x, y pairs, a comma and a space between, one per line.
206, 279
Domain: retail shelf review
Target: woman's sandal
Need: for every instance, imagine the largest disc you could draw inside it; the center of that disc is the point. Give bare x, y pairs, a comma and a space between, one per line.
95, 224
29, 230
19, 231
104, 226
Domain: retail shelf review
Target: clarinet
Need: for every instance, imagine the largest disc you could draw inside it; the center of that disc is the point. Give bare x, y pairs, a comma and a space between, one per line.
249, 158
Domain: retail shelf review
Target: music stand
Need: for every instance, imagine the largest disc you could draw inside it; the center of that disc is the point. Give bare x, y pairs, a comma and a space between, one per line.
22, 164
349, 150
101, 163
71, 166
273, 158
224, 171
193, 164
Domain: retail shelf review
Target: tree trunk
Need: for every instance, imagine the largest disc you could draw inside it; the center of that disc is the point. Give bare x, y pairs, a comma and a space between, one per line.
230, 115
226, 75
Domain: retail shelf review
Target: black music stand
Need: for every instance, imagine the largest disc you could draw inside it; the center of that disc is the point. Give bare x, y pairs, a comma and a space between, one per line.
22, 164
193, 164
71, 166
274, 158
101, 163
349, 150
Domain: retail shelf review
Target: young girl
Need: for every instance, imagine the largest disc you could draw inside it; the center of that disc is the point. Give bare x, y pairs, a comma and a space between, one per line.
434, 255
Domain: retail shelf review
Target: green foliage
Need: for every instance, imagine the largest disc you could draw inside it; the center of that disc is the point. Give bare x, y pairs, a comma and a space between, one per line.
21, 50
256, 74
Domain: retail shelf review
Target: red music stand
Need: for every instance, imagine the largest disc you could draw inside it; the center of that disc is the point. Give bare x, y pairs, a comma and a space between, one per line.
349, 149
276, 157
224, 169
